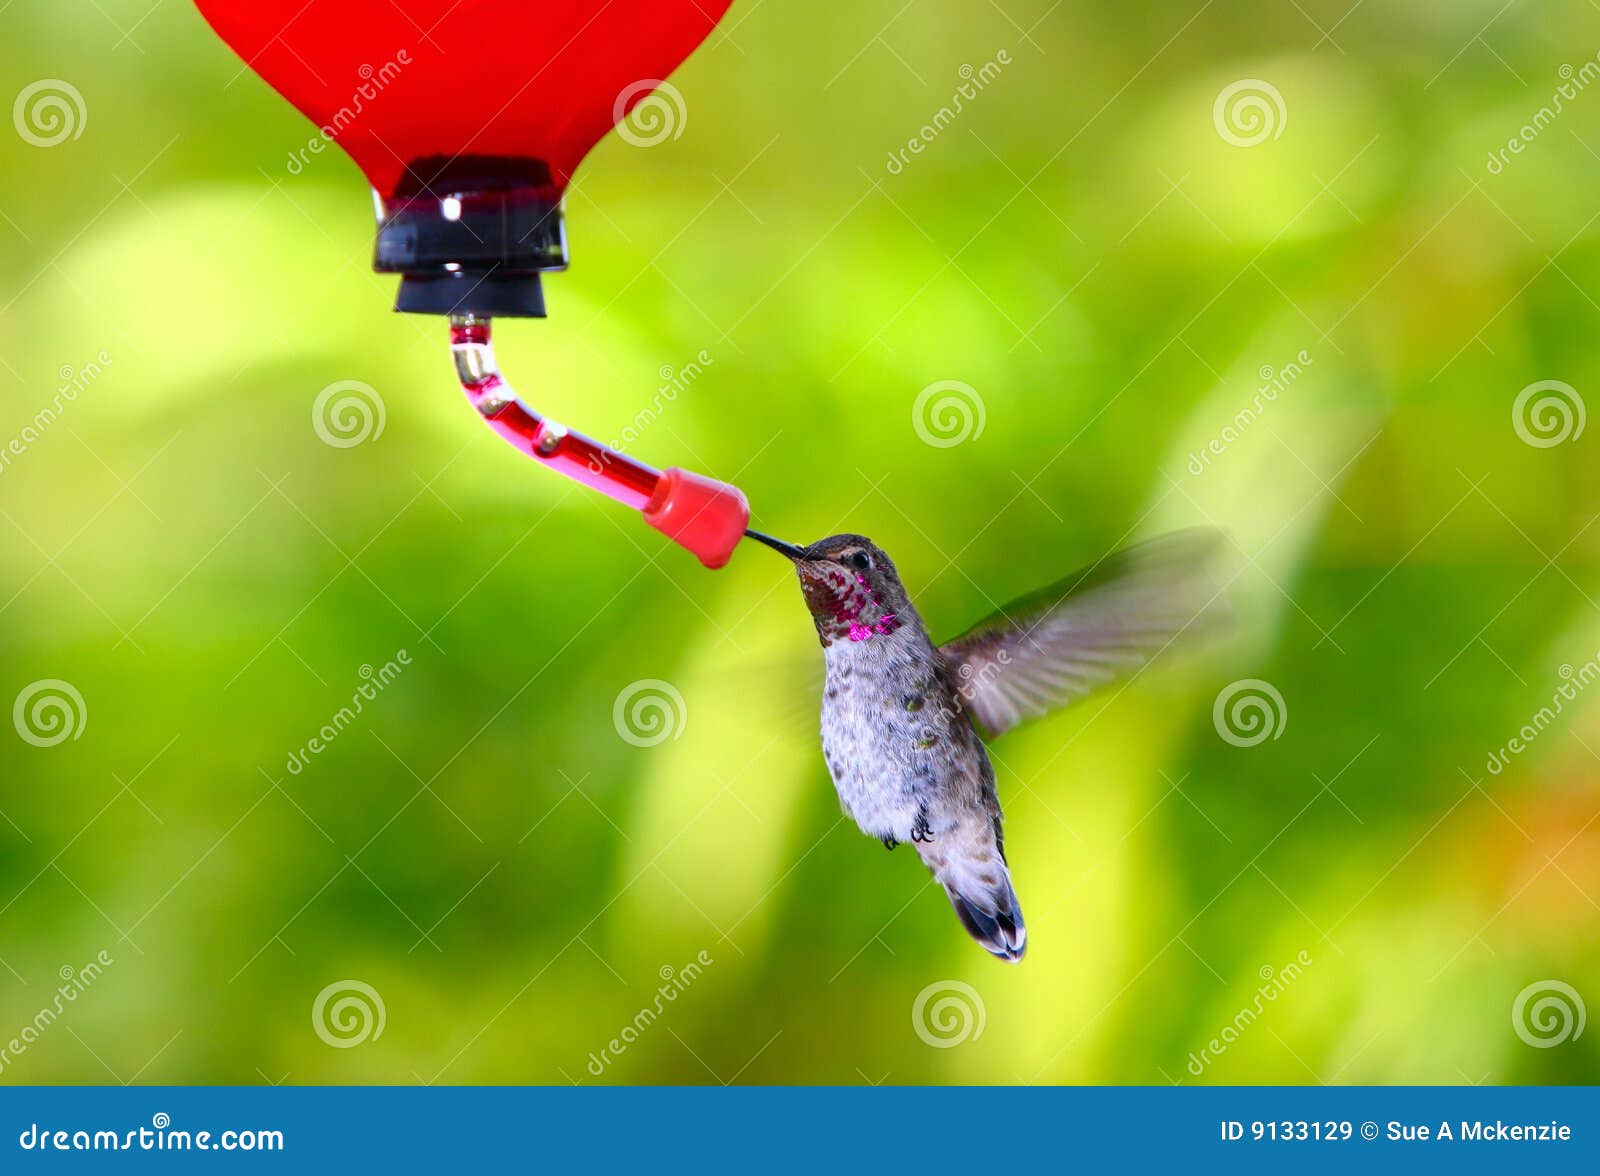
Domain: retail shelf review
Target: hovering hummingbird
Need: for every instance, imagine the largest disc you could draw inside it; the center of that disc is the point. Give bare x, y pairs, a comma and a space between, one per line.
901, 715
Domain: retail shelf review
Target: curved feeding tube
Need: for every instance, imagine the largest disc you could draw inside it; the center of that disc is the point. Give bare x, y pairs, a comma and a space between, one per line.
703, 515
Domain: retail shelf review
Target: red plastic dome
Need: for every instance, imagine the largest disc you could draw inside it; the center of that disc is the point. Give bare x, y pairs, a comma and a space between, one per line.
467, 116
393, 81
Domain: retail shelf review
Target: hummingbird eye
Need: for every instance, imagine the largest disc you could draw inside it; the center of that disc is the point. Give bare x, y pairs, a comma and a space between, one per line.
860, 560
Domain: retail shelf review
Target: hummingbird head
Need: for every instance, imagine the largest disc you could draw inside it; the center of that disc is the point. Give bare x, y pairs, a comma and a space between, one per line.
850, 586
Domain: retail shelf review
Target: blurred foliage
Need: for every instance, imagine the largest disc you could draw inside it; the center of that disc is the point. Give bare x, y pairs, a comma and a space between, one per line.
1081, 247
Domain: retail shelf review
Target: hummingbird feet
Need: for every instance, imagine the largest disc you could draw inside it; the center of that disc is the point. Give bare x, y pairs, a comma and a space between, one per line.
889, 841
920, 830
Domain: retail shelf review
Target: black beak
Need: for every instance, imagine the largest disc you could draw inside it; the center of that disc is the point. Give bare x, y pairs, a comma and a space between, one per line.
778, 545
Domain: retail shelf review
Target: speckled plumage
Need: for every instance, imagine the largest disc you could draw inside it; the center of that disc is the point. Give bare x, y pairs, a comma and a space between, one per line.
898, 712
904, 756
893, 733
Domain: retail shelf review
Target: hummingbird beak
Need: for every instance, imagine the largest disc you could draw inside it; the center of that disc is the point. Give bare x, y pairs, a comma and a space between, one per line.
789, 549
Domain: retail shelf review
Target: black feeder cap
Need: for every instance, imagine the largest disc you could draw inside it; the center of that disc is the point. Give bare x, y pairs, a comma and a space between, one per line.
471, 236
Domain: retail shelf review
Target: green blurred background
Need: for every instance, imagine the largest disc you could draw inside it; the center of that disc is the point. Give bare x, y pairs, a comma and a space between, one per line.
1106, 272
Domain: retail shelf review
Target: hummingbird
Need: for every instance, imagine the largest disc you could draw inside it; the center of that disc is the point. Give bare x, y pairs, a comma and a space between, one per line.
903, 719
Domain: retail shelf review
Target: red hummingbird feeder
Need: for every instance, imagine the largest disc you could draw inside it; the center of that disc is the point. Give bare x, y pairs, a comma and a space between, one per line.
468, 118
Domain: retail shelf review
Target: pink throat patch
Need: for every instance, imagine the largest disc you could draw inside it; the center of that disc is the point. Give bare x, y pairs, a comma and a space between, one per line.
839, 601
860, 632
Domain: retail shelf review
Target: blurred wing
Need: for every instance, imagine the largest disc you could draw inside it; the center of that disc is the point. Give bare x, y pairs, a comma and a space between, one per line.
1058, 644
781, 694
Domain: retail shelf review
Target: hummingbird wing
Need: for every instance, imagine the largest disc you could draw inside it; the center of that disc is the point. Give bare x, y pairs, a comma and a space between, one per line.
1058, 644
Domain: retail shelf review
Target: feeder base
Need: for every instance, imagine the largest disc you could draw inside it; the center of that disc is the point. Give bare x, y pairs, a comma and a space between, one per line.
464, 292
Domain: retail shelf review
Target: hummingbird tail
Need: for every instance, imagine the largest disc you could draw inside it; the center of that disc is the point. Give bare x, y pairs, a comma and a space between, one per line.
1000, 932
973, 872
